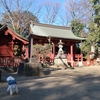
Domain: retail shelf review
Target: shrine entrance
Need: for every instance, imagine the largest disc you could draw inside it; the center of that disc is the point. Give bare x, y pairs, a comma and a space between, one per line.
43, 33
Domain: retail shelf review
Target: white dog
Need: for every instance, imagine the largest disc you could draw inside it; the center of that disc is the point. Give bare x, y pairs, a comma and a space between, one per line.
12, 85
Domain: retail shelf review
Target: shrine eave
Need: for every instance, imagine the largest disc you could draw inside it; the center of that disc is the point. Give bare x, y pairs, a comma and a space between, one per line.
45, 30
14, 34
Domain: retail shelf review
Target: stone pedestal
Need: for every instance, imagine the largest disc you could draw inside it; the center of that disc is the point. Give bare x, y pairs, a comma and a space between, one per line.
60, 60
61, 63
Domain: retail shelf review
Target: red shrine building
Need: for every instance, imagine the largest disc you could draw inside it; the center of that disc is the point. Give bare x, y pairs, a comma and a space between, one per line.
13, 47
44, 33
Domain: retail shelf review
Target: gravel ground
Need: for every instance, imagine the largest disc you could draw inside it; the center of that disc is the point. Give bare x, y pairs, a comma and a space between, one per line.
81, 83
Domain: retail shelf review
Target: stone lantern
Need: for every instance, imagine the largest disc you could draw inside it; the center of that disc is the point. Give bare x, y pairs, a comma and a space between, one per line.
60, 46
60, 53
61, 59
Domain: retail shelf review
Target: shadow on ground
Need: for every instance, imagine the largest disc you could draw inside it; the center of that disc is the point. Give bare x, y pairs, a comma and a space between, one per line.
61, 86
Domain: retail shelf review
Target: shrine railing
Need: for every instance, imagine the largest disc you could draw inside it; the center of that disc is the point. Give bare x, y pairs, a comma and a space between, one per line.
49, 57
7, 61
79, 57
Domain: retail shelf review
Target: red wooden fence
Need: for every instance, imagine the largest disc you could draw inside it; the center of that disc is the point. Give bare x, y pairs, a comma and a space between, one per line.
6, 62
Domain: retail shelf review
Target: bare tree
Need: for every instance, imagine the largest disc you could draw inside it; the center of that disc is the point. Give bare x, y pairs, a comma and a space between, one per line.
37, 10
16, 13
80, 10
51, 12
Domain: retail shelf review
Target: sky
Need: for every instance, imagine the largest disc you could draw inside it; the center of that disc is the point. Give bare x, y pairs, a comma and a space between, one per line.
38, 2
62, 3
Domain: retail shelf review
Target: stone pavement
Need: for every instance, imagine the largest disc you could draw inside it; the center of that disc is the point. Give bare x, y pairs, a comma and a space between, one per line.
81, 83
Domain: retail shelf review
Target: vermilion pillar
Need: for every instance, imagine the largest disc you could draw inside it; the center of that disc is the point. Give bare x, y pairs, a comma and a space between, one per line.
71, 51
26, 51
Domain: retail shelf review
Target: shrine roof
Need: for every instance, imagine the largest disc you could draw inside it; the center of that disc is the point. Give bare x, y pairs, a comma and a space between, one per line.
47, 30
14, 34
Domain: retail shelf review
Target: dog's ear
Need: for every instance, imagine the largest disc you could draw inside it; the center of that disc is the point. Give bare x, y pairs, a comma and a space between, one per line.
10, 78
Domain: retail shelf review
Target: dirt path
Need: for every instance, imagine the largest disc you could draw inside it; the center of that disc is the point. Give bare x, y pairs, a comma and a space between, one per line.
81, 83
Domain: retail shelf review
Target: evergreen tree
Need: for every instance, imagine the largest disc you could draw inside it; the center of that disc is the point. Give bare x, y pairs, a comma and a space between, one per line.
77, 27
94, 28
96, 8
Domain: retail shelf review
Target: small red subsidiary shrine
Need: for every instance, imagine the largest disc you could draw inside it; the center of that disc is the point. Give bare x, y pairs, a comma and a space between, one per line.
13, 47
42, 33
